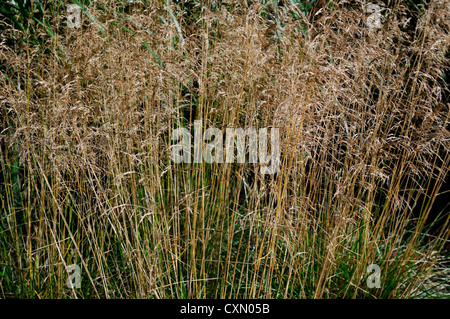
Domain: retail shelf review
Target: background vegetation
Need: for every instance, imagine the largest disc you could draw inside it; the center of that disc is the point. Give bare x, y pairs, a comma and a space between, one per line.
86, 117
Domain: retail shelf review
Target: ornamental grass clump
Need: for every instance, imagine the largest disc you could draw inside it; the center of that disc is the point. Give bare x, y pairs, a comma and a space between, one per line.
360, 100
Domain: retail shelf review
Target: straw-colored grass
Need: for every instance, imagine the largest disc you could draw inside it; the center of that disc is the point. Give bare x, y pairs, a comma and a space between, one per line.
86, 177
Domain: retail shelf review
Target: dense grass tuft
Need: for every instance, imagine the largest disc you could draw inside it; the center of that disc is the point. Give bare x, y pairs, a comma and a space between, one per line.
86, 178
